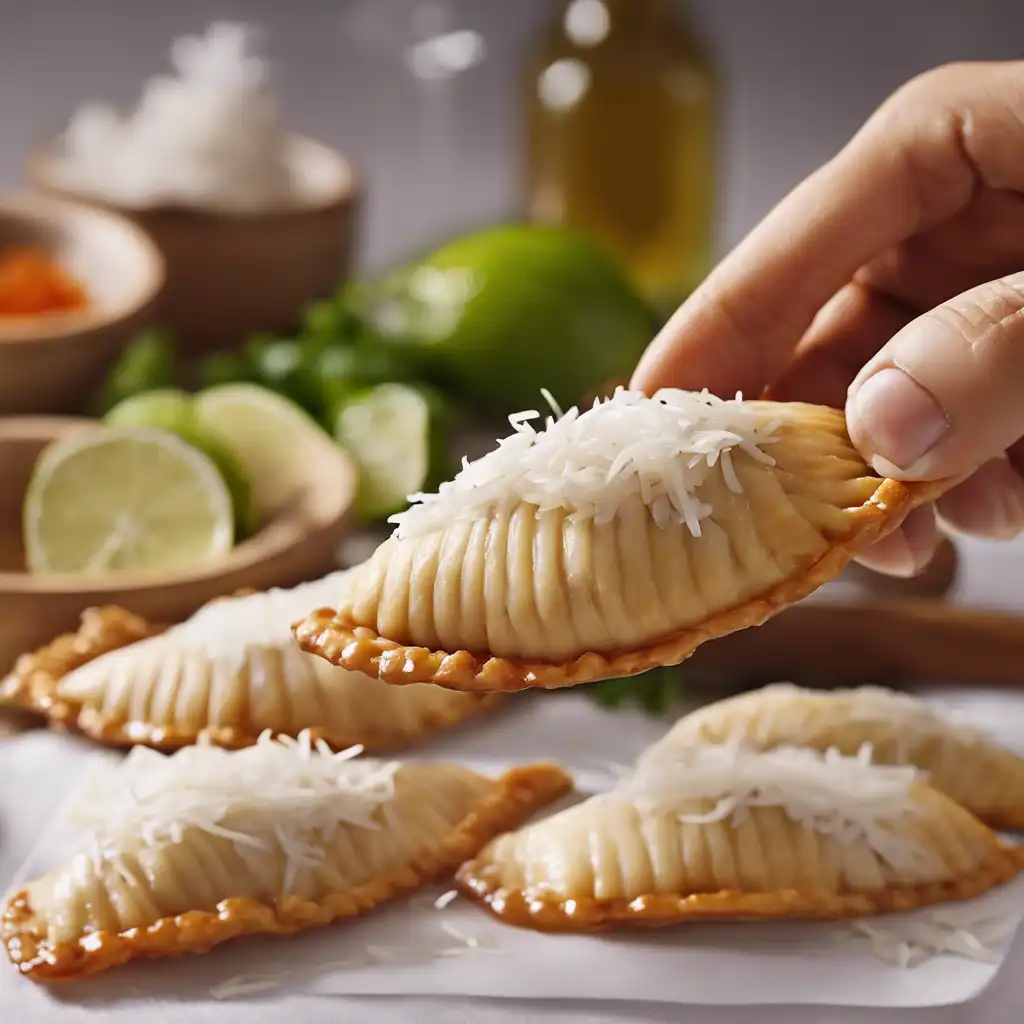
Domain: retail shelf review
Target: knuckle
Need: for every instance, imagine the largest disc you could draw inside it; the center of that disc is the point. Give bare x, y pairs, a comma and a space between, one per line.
936, 85
920, 127
989, 319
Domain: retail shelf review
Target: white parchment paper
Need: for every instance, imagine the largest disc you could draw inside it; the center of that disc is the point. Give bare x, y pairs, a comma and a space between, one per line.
412, 948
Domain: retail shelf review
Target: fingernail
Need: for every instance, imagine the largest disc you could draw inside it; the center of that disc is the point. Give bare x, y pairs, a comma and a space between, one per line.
901, 420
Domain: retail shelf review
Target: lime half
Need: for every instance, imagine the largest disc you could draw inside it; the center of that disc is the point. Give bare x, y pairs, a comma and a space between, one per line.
393, 433
274, 441
174, 410
112, 500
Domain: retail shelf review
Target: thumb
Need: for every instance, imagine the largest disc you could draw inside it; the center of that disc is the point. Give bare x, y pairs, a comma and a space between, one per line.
946, 394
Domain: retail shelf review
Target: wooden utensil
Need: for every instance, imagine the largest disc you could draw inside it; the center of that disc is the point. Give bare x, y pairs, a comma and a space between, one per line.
883, 640
299, 543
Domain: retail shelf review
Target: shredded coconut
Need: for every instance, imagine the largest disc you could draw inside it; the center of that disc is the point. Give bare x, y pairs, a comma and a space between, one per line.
971, 932
659, 449
903, 711
848, 798
446, 899
227, 631
909, 714
291, 793
211, 135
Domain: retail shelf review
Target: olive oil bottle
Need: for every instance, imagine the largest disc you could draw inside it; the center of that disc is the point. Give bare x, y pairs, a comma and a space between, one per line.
620, 102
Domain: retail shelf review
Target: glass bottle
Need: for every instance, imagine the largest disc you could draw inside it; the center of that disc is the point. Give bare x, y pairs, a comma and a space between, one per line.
621, 109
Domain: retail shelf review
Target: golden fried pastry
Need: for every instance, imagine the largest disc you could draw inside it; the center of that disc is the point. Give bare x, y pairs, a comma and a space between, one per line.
985, 778
227, 674
611, 542
724, 832
184, 852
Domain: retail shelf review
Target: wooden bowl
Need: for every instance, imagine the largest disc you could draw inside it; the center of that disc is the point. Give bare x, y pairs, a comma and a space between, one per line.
54, 363
230, 275
297, 544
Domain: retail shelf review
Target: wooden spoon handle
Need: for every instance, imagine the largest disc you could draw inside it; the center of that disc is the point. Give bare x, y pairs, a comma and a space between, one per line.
883, 641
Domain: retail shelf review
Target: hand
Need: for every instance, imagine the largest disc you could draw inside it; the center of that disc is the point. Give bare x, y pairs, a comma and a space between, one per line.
890, 282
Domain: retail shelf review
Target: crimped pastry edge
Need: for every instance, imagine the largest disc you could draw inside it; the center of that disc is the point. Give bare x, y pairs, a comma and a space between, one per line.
520, 792
31, 686
362, 649
549, 912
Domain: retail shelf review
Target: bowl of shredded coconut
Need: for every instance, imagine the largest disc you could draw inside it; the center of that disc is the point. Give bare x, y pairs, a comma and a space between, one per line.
253, 220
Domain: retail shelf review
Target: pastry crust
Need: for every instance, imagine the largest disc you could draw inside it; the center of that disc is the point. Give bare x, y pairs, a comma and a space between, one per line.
361, 649
34, 685
519, 793
795, 834
960, 761
549, 913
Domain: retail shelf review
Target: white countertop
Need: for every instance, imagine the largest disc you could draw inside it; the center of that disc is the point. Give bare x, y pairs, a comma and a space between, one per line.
993, 575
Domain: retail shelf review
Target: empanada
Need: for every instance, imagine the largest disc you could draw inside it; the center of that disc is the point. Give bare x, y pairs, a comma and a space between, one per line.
985, 778
725, 832
227, 674
203, 846
611, 542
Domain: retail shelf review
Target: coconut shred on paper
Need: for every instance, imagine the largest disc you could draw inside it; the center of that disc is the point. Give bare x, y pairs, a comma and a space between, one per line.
440, 945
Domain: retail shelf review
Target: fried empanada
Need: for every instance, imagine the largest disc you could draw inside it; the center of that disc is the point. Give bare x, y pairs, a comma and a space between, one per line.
227, 674
985, 778
184, 852
611, 542
722, 832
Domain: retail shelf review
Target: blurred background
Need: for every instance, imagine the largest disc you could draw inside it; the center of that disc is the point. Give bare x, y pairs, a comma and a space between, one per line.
330, 245
796, 79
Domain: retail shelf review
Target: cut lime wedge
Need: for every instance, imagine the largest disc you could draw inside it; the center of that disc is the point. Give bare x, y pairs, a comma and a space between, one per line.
174, 410
392, 432
114, 500
274, 441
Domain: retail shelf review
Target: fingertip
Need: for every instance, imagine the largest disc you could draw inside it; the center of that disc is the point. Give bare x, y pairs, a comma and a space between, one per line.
988, 504
906, 551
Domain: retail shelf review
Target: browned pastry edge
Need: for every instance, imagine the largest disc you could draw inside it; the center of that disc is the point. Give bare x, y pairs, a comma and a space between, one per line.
361, 649
31, 686
550, 913
519, 794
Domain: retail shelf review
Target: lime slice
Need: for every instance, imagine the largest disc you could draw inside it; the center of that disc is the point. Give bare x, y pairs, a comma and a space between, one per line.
174, 410
115, 499
273, 439
393, 433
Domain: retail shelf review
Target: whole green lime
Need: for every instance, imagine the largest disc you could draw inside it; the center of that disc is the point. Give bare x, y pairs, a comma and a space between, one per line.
500, 314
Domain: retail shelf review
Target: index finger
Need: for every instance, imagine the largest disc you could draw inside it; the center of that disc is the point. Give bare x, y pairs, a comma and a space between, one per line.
916, 162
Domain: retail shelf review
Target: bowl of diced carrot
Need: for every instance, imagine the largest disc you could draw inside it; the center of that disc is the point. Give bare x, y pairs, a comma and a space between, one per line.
76, 282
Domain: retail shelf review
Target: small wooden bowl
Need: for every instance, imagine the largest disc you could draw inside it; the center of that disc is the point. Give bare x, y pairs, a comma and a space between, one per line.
299, 543
53, 363
230, 275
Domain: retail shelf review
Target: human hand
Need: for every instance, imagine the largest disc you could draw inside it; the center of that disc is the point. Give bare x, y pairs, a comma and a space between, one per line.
890, 282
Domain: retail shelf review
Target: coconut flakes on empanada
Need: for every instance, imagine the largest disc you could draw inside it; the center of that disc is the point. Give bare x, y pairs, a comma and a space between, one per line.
181, 853
227, 674
722, 831
610, 542
980, 775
